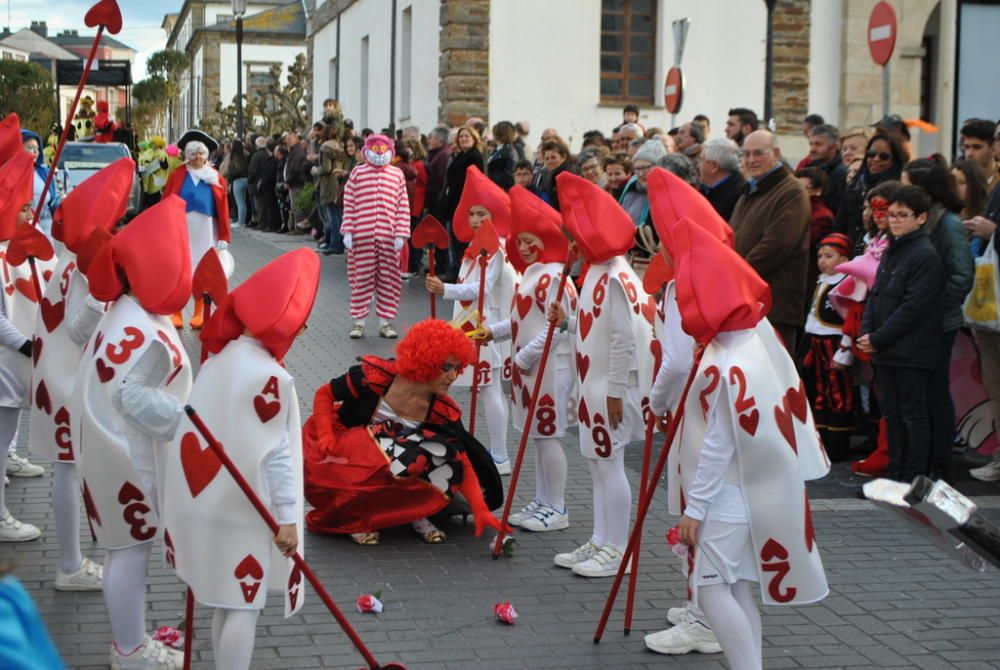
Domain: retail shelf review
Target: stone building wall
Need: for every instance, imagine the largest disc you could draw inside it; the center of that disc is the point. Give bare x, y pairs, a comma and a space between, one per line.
464, 61
791, 64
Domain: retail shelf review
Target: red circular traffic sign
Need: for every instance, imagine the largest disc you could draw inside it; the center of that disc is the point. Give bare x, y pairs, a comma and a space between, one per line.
882, 32
673, 90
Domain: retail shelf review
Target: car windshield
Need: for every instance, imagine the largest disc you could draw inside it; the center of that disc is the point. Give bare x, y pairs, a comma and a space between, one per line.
90, 156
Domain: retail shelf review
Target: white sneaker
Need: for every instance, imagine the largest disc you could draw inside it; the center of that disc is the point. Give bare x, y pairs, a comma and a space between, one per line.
546, 518
18, 466
580, 555
684, 638
90, 577
516, 518
357, 331
988, 473
602, 564
12, 530
503, 467
6, 480
678, 615
151, 655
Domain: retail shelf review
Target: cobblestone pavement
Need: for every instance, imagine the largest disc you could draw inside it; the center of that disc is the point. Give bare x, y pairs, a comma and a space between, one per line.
895, 601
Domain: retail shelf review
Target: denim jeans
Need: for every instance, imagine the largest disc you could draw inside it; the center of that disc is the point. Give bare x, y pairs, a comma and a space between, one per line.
331, 215
903, 398
240, 195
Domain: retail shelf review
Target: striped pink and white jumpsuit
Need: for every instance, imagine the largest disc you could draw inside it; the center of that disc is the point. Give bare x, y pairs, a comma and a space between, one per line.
376, 211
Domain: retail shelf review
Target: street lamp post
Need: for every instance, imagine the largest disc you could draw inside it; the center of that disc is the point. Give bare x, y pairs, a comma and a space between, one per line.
239, 9
769, 63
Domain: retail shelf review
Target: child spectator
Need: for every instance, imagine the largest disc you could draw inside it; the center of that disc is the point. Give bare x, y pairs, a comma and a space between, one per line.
902, 331
815, 182
523, 174
829, 388
617, 170
630, 114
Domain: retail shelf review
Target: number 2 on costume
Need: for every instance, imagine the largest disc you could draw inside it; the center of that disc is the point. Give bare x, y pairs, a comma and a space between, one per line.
714, 375
743, 403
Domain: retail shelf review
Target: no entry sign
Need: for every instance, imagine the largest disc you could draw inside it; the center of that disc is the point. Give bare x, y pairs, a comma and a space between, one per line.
882, 32
673, 90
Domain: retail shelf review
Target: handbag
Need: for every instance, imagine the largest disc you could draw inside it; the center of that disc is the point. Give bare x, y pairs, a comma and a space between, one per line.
980, 306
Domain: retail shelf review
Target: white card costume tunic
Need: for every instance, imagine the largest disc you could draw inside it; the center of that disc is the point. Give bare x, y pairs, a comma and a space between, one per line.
67, 318
557, 400
616, 318
508, 287
747, 380
20, 306
466, 296
213, 536
110, 450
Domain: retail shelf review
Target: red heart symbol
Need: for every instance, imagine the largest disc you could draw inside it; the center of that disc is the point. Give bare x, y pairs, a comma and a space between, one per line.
783, 416
200, 465
62, 417
47, 275
9, 288
104, 371
249, 567
798, 402
635, 307
773, 549
485, 239
523, 305
649, 310
27, 288
546, 401
657, 274
42, 399
429, 232
105, 13
266, 410
36, 351
209, 278
52, 314
586, 322
749, 421
597, 310
294, 583
583, 412
598, 419
97, 343
515, 326
129, 492
88, 504
525, 397
810, 531
29, 242
582, 365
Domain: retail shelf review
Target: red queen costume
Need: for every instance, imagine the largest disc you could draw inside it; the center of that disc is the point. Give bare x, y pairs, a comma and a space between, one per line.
67, 318
127, 401
213, 537
535, 227
614, 333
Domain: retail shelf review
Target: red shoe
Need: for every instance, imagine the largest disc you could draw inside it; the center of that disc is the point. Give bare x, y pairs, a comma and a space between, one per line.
876, 463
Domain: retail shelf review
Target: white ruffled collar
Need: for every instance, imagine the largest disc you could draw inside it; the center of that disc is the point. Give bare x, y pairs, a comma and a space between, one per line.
206, 173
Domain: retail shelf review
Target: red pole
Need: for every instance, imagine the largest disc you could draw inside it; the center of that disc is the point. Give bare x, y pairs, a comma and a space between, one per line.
34, 278
475, 371
345, 625
188, 629
69, 119
512, 487
647, 500
647, 448
430, 270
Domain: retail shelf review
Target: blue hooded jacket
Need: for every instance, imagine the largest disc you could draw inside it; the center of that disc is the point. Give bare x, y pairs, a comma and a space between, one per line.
40, 168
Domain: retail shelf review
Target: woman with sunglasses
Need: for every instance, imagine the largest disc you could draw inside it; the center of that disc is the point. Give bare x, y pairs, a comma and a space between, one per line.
883, 161
385, 445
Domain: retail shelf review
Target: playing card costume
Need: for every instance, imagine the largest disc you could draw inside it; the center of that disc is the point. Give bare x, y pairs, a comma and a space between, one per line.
68, 315
206, 200
535, 223
480, 191
745, 448
376, 226
213, 537
368, 468
127, 400
614, 332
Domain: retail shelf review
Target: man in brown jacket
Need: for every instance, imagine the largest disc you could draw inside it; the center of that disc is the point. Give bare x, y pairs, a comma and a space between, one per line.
771, 230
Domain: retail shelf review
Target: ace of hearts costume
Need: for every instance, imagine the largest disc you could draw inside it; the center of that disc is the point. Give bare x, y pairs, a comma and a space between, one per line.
494, 357
556, 407
376, 214
214, 538
20, 299
116, 456
614, 324
66, 316
748, 383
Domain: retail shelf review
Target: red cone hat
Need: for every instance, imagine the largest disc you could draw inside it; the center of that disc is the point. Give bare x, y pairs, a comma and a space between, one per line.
530, 214
717, 290
601, 228
16, 189
672, 199
99, 201
11, 141
151, 257
479, 190
273, 304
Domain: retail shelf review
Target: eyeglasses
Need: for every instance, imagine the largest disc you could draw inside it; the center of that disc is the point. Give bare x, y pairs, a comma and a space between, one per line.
756, 153
881, 155
900, 216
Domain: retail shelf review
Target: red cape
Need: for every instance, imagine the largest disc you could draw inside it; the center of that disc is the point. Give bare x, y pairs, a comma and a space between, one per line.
219, 192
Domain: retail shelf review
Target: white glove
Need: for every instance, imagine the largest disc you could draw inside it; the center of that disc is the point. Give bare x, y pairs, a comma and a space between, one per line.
348, 241
398, 243
221, 245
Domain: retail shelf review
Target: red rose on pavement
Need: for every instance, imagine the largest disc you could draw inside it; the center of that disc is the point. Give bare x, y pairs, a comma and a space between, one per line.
369, 603
505, 613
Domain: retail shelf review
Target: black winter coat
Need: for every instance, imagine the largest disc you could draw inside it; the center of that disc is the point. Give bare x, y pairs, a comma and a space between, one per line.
850, 215
500, 166
455, 178
903, 314
723, 196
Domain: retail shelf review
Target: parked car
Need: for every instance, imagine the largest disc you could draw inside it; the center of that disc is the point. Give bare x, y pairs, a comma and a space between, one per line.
79, 160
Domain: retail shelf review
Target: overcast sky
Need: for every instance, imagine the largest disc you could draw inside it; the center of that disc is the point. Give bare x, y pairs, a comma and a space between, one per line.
141, 21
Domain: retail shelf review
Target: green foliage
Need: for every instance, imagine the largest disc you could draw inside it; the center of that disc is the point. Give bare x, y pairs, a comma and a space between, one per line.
304, 201
26, 88
168, 66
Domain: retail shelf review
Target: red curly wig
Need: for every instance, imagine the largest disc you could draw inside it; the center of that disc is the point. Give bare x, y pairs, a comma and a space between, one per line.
422, 352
